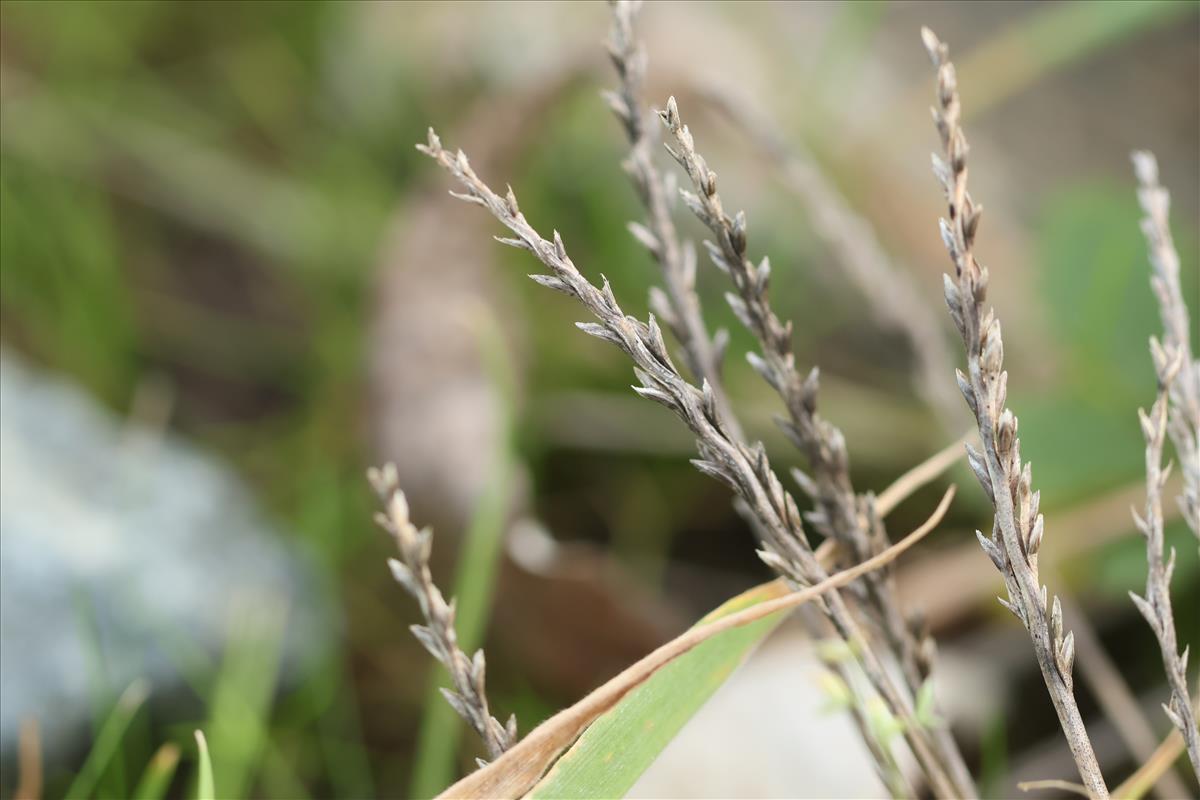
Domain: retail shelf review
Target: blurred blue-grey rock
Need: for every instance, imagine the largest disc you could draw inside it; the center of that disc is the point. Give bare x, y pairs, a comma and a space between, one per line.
121, 550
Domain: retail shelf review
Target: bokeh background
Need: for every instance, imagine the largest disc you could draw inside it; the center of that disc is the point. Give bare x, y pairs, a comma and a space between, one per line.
229, 284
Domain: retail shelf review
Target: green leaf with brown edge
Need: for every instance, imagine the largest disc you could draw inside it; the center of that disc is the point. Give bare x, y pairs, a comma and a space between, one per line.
619, 746
518, 772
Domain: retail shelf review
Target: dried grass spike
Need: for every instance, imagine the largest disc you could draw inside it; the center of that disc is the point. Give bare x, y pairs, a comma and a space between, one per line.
468, 698
998, 465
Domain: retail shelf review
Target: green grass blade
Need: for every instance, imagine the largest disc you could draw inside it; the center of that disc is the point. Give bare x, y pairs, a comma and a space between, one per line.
339, 731
1049, 39
1052, 37
156, 779
618, 747
205, 785
108, 740
239, 704
845, 49
441, 730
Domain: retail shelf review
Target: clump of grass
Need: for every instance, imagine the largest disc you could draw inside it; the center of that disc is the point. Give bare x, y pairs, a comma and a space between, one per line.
851, 520
744, 468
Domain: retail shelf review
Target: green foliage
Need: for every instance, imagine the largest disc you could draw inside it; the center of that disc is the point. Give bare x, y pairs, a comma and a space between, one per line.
205, 783
618, 747
108, 741
1121, 568
239, 701
926, 706
837, 693
994, 757
1094, 277
884, 727
572, 182
69, 272
156, 779
441, 728
138, 134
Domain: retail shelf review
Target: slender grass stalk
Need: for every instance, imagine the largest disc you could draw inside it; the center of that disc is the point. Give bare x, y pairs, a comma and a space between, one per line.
156, 778
1155, 604
839, 514
468, 697
1018, 527
1176, 395
1114, 696
1152, 771
29, 761
452, 628
108, 740
892, 294
1054, 783
679, 305
205, 784
1184, 391
439, 735
239, 702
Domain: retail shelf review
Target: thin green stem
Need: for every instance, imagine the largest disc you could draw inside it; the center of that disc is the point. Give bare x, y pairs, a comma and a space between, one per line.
441, 731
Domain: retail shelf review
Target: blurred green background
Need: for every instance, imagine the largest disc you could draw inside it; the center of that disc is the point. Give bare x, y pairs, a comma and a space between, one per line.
199, 201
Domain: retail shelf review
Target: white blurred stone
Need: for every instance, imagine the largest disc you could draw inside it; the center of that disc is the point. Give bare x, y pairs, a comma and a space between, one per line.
116, 542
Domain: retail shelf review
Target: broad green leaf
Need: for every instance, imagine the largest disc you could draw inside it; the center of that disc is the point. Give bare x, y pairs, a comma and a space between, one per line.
533, 762
618, 747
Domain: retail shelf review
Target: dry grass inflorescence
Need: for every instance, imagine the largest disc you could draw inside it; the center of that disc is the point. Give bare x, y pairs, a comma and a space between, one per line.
894, 652
1018, 528
1176, 408
437, 635
841, 515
